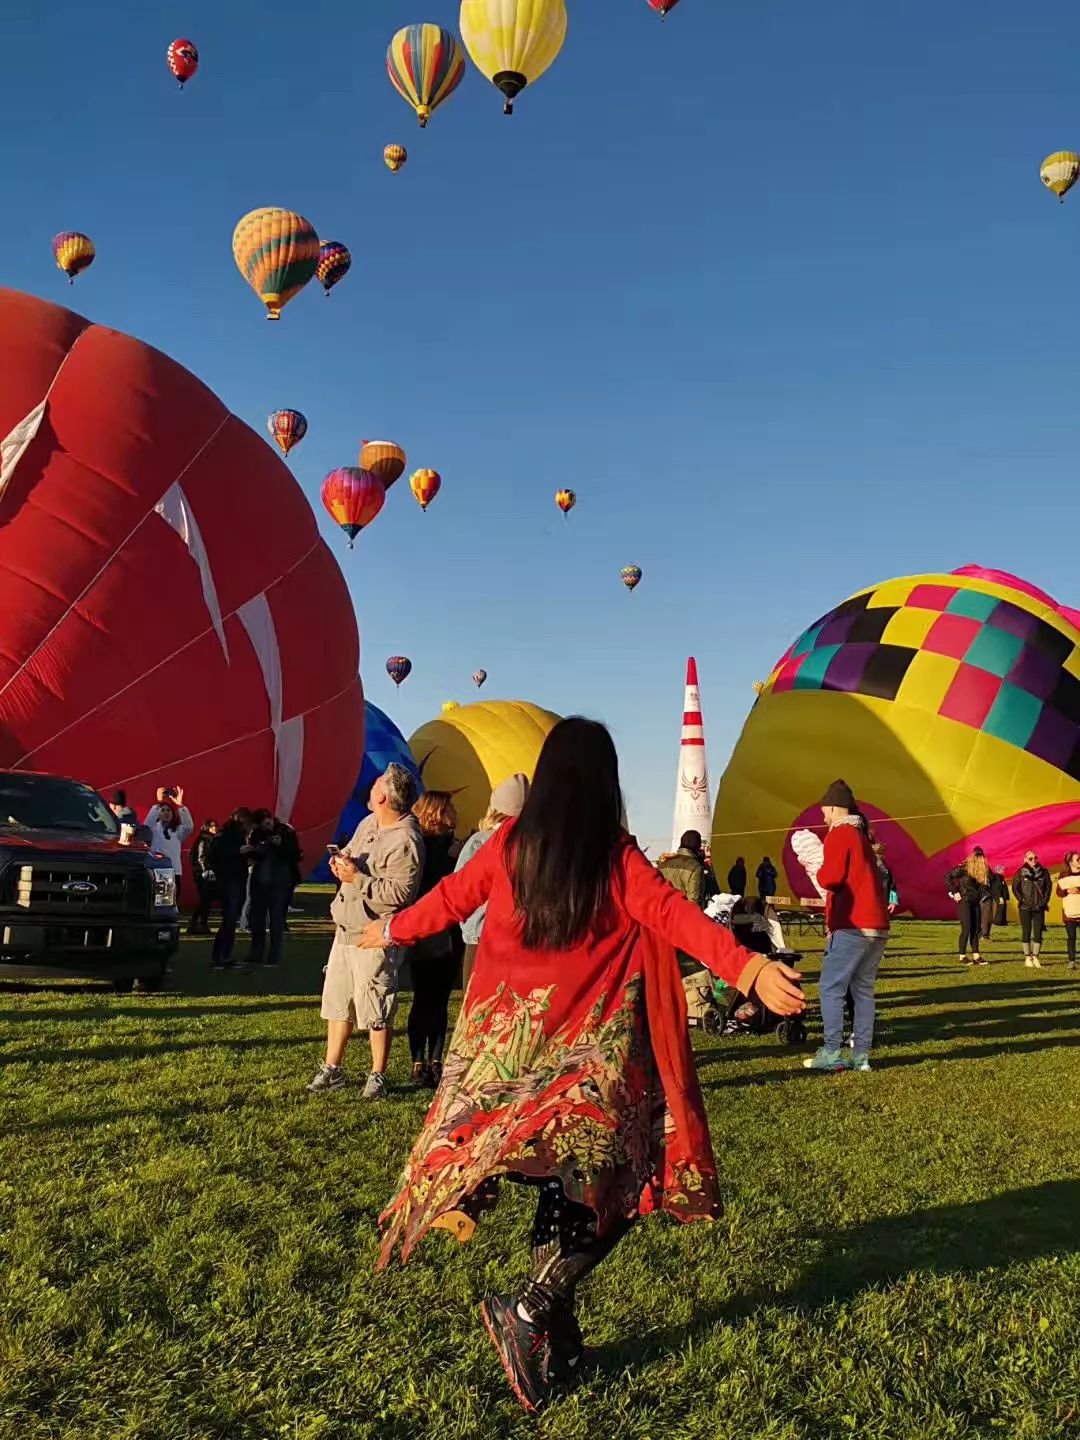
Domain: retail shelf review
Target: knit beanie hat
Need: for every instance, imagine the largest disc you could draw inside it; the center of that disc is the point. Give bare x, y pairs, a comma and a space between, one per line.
839, 794
509, 797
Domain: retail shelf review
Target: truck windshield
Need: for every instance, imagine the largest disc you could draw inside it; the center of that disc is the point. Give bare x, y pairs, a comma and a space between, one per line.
43, 802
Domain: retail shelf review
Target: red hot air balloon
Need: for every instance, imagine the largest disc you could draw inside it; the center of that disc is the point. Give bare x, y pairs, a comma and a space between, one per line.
399, 668
183, 60
663, 6
352, 498
155, 551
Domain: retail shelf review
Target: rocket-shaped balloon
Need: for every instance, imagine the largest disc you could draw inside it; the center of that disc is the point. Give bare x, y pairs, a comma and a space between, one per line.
692, 808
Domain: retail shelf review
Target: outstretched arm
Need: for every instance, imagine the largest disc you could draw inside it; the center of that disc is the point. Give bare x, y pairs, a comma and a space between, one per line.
652, 902
452, 900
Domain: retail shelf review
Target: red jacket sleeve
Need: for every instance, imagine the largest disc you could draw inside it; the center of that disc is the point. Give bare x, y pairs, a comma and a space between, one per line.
652, 902
453, 899
834, 867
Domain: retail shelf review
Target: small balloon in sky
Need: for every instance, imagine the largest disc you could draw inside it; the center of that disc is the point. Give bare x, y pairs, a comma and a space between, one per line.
565, 500
183, 60
631, 576
395, 157
334, 264
399, 668
287, 428
73, 252
425, 485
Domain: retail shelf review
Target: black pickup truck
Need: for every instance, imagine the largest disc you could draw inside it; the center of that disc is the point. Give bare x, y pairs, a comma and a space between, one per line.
74, 899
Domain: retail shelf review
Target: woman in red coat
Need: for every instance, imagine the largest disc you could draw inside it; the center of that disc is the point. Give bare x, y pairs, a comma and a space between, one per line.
571, 1067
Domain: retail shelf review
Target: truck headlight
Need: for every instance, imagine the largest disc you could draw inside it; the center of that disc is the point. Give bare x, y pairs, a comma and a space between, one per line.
164, 889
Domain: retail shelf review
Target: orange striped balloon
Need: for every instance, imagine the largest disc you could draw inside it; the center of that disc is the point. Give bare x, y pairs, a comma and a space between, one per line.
384, 459
425, 485
276, 251
395, 157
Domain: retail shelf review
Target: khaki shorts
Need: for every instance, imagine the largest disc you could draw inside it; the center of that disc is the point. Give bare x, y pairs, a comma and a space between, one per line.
361, 986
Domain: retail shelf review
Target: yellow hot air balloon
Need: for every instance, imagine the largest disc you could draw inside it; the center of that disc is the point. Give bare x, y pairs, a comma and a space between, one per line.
1059, 172
513, 42
276, 251
470, 749
394, 157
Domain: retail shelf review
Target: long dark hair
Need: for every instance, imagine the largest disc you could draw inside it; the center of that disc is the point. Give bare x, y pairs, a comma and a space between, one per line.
562, 848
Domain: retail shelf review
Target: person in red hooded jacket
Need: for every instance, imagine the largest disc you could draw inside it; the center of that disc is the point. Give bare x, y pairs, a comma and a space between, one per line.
857, 922
571, 1067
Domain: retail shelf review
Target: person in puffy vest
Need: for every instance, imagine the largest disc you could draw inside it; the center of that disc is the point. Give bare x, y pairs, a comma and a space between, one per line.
1032, 887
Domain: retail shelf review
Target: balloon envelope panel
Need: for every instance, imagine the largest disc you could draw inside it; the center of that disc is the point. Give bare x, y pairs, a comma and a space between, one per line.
951, 705
171, 613
472, 748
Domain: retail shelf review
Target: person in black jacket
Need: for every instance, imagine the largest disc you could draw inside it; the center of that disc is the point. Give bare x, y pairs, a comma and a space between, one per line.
433, 962
736, 877
275, 861
203, 871
969, 886
1032, 887
998, 910
766, 879
230, 864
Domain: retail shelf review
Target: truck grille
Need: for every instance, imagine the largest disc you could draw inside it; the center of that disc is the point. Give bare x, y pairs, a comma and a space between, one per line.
74, 890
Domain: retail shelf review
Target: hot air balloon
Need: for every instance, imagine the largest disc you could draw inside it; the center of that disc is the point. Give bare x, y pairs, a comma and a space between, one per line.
513, 42
180, 489
352, 498
334, 263
72, 252
470, 749
631, 576
479, 676
399, 668
384, 459
565, 500
663, 6
425, 65
183, 60
1059, 172
949, 702
276, 251
425, 485
287, 428
395, 156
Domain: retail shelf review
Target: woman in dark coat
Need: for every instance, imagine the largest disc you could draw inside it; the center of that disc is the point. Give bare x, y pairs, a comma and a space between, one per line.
969, 886
1032, 887
202, 870
433, 962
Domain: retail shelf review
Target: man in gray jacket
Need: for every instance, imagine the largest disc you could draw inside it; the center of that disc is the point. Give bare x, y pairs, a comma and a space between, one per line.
379, 871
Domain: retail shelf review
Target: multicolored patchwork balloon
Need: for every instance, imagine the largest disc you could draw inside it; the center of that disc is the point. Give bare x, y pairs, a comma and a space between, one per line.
631, 576
949, 703
425, 65
399, 668
276, 251
352, 499
425, 485
73, 252
183, 60
394, 157
565, 500
334, 264
287, 428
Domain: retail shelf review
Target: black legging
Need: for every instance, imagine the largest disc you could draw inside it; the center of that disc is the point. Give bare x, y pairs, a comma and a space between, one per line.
970, 913
565, 1249
434, 969
1032, 924
1071, 927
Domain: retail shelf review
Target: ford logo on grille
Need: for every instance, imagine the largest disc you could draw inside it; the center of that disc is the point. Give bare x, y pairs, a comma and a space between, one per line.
80, 887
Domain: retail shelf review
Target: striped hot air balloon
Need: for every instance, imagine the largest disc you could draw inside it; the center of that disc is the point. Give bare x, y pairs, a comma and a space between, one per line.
1059, 172
384, 459
399, 668
287, 428
73, 252
425, 65
394, 157
334, 264
425, 485
276, 251
631, 576
352, 498
565, 500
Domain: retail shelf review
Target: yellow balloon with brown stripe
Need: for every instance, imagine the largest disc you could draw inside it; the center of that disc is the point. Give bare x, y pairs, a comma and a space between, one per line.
1059, 172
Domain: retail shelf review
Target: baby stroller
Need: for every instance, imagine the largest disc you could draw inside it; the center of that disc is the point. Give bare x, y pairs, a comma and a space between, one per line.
717, 1009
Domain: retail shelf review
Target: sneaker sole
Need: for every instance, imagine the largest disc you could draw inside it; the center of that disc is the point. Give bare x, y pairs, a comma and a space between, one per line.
508, 1369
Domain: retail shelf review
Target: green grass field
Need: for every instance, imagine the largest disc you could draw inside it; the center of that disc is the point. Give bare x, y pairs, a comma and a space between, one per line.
188, 1239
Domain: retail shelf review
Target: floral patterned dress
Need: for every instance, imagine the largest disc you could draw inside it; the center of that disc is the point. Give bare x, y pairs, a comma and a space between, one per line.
570, 1064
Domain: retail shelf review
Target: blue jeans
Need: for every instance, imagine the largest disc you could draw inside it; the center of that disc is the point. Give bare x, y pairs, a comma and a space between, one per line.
851, 962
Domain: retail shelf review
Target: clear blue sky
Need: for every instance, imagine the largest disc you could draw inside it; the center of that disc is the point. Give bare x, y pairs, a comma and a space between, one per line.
775, 289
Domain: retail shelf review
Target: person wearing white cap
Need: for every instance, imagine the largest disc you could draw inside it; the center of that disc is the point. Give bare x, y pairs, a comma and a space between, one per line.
507, 802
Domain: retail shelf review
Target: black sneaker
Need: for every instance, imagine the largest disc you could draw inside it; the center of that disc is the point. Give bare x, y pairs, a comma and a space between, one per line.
541, 1358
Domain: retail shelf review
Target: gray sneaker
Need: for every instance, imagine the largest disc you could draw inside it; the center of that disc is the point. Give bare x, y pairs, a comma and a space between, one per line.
376, 1087
327, 1077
